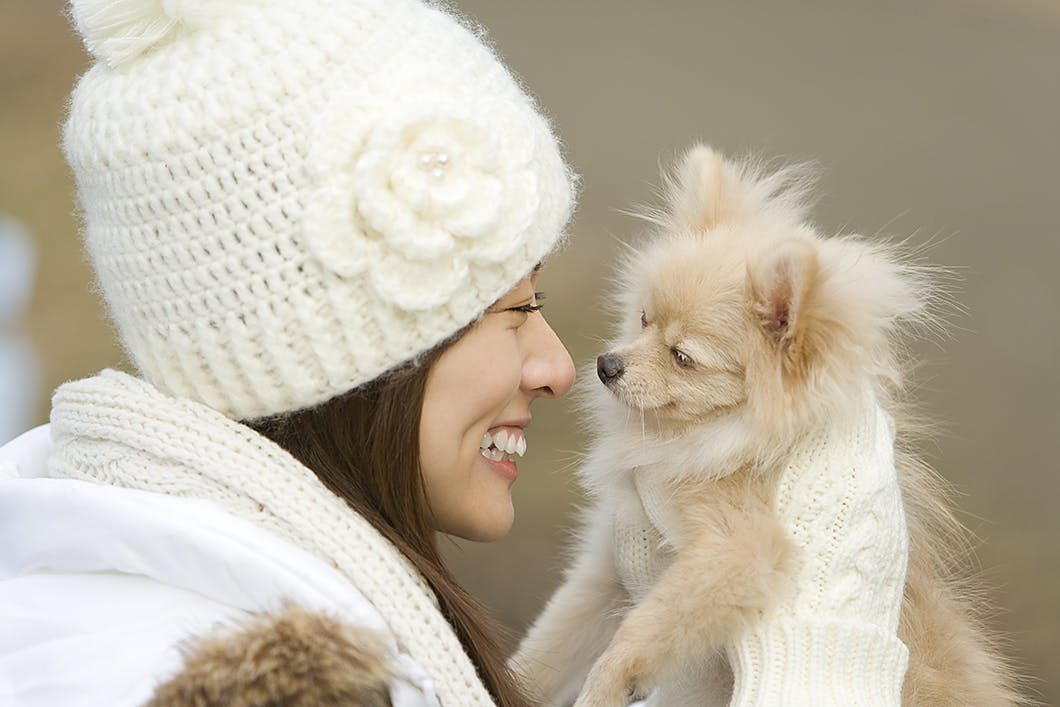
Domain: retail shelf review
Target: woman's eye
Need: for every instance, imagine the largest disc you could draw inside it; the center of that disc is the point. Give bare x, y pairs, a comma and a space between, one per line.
526, 308
643, 319
535, 306
683, 360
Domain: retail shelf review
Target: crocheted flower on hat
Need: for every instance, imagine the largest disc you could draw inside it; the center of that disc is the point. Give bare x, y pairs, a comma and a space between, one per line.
421, 195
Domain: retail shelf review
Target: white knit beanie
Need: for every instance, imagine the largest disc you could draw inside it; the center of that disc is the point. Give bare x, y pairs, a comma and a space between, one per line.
283, 199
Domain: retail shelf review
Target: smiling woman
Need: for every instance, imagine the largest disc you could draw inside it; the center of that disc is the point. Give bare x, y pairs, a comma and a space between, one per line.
482, 387
323, 270
409, 450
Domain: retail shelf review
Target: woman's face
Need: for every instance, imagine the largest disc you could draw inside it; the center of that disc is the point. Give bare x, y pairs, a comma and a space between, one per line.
476, 406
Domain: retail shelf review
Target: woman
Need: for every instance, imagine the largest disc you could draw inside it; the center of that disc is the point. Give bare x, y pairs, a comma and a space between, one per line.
317, 218
317, 226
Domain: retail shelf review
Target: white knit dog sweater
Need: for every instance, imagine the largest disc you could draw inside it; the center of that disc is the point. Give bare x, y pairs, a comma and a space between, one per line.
832, 641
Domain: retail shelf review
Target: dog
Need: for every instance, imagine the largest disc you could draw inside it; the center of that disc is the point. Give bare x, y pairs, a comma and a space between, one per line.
743, 330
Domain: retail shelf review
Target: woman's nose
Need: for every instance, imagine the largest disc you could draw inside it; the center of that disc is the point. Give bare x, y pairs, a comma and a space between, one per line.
548, 370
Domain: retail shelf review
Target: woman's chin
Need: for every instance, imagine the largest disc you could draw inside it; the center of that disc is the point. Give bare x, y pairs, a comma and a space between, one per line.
488, 524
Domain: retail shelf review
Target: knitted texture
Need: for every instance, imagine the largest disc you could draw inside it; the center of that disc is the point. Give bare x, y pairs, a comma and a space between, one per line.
832, 640
804, 661
284, 199
638, 552
644, 530
119, 430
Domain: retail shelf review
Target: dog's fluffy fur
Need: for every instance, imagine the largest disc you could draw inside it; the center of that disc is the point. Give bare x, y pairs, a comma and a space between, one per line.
743, 329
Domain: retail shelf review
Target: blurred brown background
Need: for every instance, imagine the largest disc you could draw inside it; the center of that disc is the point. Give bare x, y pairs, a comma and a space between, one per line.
935, 119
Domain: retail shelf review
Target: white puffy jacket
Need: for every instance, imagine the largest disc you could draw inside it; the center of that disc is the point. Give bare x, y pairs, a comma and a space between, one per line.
100, 586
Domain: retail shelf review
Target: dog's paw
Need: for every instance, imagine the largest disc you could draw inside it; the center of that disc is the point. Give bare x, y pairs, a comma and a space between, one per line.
613, 682
600, 696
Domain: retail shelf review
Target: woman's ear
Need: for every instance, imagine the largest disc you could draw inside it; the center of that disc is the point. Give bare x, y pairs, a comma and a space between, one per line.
782, 282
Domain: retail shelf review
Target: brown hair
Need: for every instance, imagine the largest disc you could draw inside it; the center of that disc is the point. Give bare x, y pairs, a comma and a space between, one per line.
364, 446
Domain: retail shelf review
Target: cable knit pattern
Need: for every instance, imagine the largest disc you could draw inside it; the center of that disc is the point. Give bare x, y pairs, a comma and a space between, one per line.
284, 199
839, 498
833, 639
119, 430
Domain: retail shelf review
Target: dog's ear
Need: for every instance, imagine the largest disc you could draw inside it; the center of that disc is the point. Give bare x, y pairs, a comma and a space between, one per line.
782, 282
704, 191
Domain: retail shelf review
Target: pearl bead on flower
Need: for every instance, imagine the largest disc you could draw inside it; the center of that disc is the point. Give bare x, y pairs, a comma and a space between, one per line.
435, 163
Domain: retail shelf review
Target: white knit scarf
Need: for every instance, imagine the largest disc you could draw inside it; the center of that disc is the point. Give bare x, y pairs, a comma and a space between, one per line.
118, 430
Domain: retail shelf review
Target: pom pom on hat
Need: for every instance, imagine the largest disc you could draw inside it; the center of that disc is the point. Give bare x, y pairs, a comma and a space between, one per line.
117, 31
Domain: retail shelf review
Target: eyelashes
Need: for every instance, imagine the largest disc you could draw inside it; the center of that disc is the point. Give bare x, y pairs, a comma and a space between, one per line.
528, 308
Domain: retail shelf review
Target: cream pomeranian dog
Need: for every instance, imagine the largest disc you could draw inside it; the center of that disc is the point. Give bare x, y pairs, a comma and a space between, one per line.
744, 333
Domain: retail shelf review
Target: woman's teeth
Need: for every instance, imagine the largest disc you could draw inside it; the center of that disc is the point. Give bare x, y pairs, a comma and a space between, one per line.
502, 445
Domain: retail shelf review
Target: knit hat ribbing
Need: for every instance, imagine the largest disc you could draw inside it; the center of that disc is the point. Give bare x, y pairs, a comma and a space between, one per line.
284, 199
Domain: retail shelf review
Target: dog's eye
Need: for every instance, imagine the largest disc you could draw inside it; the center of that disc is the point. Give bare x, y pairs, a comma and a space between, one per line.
683, 360
643, 318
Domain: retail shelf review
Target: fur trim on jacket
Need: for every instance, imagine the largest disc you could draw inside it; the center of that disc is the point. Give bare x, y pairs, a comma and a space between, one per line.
294, 658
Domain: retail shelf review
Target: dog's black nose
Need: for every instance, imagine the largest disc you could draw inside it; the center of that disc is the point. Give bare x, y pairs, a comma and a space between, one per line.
609, 367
